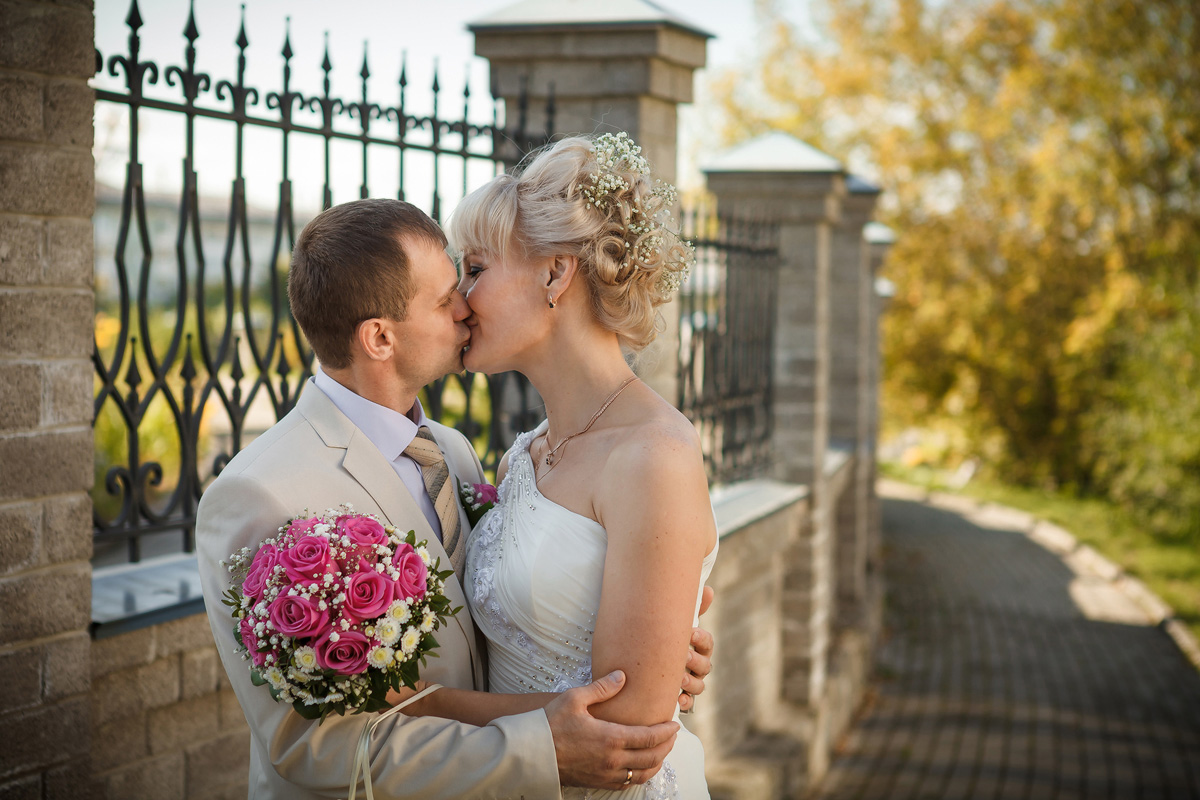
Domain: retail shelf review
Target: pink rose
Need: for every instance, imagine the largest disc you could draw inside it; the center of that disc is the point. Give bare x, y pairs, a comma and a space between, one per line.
485, 493
302, 527
363, 531
295, 615
368, 594
309, 559
413, 575
260, 571
346, 656
246, 630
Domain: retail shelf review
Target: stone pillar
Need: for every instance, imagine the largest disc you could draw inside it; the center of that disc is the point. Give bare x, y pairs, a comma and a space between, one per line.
611, 67
46, 201
779, 177
851, 291
879, 239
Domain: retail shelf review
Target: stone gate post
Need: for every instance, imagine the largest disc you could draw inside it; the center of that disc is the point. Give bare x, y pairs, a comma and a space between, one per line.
46, 200
851, 292
613, 67
779, 177
879, 239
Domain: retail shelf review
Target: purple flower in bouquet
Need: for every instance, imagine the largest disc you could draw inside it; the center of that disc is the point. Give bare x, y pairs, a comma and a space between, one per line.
478, 499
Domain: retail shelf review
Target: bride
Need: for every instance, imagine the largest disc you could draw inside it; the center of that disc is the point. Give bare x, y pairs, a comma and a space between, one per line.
595, 555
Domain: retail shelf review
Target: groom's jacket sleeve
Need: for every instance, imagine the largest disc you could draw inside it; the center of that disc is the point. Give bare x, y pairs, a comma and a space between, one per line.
423, 757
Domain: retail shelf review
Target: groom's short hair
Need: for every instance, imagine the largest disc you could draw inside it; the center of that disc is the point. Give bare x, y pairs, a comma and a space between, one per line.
350, 264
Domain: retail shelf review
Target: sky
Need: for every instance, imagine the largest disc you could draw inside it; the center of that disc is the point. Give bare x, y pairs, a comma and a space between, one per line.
425, 32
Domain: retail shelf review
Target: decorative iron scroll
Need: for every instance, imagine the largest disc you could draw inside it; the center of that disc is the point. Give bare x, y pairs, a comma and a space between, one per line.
726, 342
186, 375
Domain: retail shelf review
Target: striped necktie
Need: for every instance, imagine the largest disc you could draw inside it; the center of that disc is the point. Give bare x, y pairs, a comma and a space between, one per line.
436, 474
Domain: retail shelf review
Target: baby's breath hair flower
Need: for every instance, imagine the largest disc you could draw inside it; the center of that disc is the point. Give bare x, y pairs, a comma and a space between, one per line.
643, 214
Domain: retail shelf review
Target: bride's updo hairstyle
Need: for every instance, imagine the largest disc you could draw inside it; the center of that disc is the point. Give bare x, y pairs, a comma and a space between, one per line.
592, 198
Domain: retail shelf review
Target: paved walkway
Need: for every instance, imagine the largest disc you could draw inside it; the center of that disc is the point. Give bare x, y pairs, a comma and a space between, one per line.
1006, 673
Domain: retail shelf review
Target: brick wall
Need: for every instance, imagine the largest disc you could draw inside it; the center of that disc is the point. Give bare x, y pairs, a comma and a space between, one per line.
747, 620
761, 742
46, 199
165, 723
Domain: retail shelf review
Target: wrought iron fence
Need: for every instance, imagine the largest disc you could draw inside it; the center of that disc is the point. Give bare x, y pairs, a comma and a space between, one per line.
193, 357
726, 341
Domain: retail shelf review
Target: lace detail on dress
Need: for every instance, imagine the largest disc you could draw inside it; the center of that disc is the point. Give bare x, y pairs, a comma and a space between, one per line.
662, 786
487, 542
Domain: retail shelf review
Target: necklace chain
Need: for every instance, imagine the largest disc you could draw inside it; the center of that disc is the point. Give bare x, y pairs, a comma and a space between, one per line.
550, 453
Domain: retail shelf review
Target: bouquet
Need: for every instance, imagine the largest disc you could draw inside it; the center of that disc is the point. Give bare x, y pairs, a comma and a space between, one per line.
477, 500
336, 610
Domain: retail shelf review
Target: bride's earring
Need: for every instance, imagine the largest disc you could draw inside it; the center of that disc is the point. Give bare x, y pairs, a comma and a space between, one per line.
550, 297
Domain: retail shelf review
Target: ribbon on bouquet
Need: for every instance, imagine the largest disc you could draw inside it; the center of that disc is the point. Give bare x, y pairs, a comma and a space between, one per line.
362, 755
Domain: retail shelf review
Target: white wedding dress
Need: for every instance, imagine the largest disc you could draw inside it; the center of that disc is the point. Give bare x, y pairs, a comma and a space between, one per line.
534, 570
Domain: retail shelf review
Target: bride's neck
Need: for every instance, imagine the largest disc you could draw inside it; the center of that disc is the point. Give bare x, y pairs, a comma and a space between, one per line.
575, 378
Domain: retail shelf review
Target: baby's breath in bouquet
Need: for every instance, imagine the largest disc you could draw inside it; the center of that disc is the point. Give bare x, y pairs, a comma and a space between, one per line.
336, 610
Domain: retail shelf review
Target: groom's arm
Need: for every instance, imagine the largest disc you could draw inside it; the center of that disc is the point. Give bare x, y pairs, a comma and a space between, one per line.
410, 757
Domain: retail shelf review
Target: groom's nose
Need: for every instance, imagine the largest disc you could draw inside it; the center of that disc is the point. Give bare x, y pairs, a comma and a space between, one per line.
461, 309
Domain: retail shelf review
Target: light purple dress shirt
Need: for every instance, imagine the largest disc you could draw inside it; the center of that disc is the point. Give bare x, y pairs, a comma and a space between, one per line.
390, 432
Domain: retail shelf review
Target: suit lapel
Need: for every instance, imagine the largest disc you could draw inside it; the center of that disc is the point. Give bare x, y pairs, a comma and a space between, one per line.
367, 465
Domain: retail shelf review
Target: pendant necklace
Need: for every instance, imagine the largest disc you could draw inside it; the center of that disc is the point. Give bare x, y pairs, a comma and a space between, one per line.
551, 455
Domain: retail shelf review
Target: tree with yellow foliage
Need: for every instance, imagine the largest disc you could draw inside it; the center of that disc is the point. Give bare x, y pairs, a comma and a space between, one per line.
1041, 163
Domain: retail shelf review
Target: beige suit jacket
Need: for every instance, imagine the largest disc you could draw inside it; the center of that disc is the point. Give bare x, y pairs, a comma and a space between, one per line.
316, 458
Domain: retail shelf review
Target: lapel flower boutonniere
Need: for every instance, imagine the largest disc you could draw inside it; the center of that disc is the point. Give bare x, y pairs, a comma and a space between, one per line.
477, 499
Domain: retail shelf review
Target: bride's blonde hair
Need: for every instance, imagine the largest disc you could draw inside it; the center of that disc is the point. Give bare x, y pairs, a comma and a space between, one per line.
592, 198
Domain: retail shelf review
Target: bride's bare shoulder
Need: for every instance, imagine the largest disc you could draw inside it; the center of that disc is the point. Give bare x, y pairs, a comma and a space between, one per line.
660, 445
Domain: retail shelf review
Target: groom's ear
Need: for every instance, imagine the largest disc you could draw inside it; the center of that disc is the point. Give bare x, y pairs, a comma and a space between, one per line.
562, 271
373, 338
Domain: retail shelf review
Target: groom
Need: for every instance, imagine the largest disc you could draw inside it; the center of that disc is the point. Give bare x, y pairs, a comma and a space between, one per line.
377, 299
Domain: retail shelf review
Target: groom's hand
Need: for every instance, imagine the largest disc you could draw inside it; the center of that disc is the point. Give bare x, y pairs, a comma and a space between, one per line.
699, 662
599, 754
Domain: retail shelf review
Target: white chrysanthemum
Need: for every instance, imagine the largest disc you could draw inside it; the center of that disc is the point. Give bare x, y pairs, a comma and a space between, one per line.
410, 640
400, 612
428, 622
388, 630
424, 554
305, 658
274, 676
380, 657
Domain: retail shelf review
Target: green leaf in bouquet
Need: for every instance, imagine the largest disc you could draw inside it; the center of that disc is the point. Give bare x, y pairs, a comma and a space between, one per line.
409, 674
233, 599
309, 712
375, 704
256, 678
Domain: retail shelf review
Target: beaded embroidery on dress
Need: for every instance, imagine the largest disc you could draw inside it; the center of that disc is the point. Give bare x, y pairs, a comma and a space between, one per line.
533, 575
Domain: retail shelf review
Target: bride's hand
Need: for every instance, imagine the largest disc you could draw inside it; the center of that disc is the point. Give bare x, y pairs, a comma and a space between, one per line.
699, 663
417, 709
